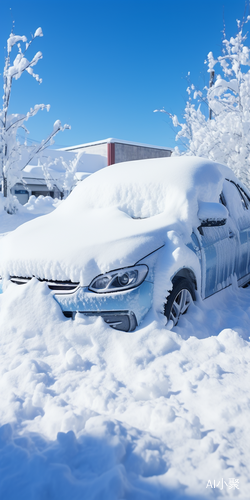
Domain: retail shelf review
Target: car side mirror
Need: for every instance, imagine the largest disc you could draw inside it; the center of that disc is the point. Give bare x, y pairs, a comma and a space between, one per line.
211, 215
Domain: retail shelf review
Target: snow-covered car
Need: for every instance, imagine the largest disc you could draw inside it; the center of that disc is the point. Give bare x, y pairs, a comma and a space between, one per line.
149, 233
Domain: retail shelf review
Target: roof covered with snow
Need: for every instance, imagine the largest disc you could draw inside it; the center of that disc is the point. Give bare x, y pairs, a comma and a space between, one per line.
111, 140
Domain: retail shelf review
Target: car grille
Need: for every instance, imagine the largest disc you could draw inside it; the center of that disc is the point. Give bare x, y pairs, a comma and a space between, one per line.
59, 286
119, 320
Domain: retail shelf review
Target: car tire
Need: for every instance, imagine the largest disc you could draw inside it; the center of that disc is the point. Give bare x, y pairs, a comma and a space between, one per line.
179, 300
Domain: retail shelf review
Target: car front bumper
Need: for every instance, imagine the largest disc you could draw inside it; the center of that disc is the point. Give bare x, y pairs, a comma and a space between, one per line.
121, 310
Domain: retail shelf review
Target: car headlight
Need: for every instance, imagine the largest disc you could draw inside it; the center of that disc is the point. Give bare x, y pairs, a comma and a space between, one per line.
120, 279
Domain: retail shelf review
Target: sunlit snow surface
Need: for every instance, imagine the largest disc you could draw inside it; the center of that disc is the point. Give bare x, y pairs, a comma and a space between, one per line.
90, 413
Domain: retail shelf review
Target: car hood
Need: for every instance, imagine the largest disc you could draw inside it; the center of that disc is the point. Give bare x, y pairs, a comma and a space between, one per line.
63, 248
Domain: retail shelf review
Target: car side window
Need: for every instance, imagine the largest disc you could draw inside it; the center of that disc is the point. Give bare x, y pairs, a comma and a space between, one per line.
237, 201
245, 199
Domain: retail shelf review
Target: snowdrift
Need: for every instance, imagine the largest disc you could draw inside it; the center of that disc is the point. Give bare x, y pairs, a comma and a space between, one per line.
91, 413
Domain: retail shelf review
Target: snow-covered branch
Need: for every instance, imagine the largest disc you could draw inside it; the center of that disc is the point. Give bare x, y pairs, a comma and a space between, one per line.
46, 142
14, 156
64, 177
223, 134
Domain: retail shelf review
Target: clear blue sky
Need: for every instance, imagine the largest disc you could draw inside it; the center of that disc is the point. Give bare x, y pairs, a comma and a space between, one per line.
107, 64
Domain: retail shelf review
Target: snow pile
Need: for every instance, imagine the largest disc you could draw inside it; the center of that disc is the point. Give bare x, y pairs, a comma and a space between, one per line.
88, 412
24, 213
41, 205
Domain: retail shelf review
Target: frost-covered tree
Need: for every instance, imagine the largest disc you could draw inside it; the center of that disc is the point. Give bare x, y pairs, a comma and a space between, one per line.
64, 177
221, 130
13, 155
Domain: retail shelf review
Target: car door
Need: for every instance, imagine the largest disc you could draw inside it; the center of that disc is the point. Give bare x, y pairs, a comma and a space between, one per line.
218, 246
237, 202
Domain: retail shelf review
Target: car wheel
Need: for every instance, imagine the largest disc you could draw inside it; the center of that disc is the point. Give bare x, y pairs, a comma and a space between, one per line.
179, 300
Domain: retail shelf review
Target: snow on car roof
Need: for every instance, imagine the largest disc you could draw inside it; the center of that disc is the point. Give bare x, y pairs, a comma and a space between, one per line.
113, 218
146, 188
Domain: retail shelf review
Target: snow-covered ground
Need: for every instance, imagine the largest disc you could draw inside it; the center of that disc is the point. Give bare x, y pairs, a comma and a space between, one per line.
91, 413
